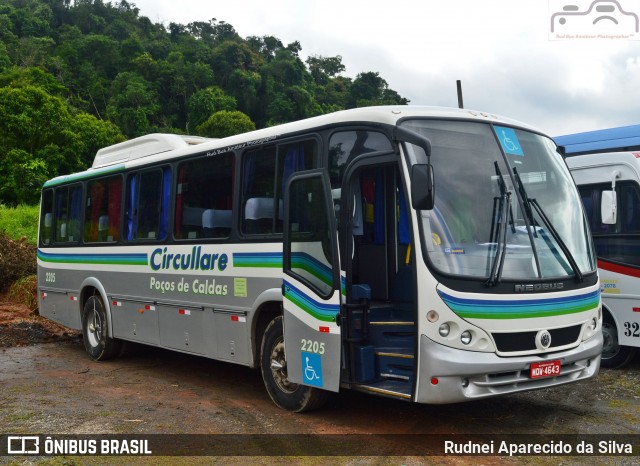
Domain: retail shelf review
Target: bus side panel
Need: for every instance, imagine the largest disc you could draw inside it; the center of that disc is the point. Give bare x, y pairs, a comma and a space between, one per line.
621, 296
55, 300
185, 328
135, 321
59, 307
232, 337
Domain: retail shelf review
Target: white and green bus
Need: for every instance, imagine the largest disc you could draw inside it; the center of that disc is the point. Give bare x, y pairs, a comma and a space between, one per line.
433, 255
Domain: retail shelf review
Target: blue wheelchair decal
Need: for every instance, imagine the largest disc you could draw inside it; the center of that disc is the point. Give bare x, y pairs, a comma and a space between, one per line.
508, 140
311, 369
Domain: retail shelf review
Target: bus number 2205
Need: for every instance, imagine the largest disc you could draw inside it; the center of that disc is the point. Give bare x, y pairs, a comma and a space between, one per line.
312, 346
50, 277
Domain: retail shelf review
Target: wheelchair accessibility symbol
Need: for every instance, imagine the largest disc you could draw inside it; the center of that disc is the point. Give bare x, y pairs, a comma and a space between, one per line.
508, 140
311, 369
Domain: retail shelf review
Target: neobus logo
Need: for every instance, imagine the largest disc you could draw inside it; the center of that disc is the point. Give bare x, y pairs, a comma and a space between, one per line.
539, 287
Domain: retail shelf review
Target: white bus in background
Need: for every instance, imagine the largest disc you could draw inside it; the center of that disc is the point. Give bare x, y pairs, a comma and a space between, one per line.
428, 254
609, 184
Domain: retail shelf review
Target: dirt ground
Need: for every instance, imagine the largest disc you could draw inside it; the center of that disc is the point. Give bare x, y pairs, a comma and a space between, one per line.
48, 385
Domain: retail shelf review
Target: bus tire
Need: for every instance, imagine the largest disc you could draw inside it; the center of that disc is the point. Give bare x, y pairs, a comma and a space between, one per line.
95, 334
287, 395
614, 355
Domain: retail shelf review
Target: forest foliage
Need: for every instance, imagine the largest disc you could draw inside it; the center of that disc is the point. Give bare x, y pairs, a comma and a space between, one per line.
78, 76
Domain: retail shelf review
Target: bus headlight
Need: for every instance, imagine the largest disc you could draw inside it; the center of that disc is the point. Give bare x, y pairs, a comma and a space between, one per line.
591, 327
465, 337
444, 330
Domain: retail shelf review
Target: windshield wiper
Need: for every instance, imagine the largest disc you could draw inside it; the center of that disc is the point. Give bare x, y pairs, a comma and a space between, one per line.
500, 237
528, 202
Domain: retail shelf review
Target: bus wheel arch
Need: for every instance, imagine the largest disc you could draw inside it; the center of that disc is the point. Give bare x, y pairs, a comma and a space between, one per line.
614, 355
287, 395
263, 316
95, 327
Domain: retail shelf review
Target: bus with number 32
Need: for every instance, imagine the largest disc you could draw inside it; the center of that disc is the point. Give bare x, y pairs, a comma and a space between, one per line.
609, 184
427, 254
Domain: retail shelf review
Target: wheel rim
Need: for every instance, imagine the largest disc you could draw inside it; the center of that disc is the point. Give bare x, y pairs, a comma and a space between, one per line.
610, 346
279, 368
94, 328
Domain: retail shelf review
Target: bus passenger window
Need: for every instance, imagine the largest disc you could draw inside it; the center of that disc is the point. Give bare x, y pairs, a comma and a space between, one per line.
68, 209
265, 175
147, 213
46, 221
204, 197
102, 214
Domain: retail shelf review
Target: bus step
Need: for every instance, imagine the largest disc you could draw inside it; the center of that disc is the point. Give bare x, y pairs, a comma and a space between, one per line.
395, 363
392, 334
389, 388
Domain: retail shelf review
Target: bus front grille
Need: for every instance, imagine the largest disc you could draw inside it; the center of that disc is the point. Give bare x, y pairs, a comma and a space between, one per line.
526, 341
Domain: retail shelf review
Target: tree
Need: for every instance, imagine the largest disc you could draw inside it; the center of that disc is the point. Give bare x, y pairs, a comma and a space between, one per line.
324, 68
133, 104
225, 123
205, 102
22, 177
370, 89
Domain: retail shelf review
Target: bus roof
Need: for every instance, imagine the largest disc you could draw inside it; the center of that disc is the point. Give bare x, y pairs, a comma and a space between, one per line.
161, 147
625, 138
604, 159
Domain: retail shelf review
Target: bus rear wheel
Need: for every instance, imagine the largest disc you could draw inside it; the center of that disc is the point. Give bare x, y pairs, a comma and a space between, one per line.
97, 342
284, 393
614, 355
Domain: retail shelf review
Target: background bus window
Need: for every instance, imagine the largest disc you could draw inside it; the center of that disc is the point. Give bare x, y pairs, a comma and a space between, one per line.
102, 214
68, 210
148, 194
265, 175
204, 197
46, 221
619, 242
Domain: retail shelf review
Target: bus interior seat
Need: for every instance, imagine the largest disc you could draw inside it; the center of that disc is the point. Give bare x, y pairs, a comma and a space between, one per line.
258, 215
216, 223
192, 221
103, 227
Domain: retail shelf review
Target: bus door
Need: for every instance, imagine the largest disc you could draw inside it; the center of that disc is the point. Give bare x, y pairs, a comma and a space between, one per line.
311, 282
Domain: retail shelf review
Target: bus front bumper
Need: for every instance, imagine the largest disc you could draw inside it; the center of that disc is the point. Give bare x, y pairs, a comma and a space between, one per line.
450, 375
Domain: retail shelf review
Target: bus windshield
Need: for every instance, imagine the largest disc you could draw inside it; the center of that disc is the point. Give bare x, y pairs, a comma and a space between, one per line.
505, 205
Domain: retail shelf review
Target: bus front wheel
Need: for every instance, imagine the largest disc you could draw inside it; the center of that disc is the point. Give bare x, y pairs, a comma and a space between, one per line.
97, 342
286, 394
614, 355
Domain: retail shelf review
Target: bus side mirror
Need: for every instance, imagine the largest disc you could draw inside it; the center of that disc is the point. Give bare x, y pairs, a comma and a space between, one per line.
422, 187
608, 207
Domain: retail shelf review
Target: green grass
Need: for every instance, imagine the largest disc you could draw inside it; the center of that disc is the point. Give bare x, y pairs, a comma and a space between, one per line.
20, 221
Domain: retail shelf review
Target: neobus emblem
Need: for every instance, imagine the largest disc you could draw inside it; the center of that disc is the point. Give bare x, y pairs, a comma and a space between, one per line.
543, 340
539, 287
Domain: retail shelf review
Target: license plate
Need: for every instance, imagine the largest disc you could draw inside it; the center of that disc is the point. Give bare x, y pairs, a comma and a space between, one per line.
544, 369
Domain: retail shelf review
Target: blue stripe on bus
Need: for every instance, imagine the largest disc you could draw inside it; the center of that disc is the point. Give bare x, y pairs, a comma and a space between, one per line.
103, 259
517, 309
322, 311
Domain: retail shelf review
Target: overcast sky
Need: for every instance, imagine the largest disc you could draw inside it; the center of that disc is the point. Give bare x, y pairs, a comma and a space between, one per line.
500, 49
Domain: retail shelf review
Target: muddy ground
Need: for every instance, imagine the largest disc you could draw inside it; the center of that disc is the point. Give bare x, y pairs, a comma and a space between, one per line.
48, 385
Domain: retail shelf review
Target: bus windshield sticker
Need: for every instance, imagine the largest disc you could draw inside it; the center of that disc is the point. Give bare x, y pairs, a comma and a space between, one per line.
508, 140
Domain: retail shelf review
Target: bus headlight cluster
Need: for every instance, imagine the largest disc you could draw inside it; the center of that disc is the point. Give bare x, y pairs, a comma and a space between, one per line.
590, 328
444, 330
465, 337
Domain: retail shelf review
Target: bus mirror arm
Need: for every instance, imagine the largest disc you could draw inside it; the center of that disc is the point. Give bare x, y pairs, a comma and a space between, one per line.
406, 135
422, 179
